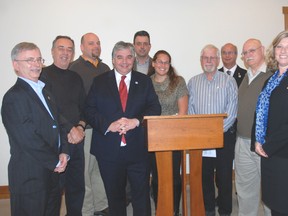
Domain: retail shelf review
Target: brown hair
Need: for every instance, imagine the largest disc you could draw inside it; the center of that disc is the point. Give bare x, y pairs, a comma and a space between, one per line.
173, 77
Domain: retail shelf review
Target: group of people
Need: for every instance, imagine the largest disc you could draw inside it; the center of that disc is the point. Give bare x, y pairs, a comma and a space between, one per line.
76, 127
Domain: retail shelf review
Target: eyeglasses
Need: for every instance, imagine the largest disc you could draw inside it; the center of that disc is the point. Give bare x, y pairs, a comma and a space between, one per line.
30, 61
250, 51
211, 58
162, 63
228, 53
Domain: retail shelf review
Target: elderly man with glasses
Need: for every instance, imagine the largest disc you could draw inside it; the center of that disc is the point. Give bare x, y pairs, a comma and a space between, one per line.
247, 162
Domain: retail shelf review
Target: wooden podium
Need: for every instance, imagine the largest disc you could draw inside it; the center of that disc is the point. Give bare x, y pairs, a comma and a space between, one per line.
190, 133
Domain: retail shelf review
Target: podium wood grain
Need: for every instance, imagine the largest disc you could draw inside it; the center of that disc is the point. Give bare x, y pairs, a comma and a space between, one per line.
189, 133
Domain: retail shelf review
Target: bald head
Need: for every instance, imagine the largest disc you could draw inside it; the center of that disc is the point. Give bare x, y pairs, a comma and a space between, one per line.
253, 54
90, 46
229, 55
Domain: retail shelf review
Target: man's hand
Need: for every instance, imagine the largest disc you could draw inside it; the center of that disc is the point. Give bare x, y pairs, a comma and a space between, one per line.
123, 125
63, 160
76, 135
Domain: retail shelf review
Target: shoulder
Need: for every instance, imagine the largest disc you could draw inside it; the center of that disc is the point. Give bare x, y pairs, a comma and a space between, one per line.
138, 75
17, 91
241, 70
221, 69
181, 79
105, 76
104, 66
76, 63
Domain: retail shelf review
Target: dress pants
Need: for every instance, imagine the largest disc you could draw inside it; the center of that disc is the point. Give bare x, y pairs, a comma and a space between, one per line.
41, 203
248, 179
177, 182
115, 173
95, 197
274, 213
72, 180
222, 165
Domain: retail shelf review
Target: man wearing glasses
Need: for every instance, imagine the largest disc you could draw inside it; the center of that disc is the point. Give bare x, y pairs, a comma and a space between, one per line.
247, 162
214, 92
39, 151
229, 55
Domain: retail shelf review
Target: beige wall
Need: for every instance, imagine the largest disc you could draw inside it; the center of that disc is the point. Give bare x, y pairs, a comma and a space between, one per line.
181, 27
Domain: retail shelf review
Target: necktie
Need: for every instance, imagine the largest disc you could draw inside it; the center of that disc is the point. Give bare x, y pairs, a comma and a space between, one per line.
228, 72
123, 97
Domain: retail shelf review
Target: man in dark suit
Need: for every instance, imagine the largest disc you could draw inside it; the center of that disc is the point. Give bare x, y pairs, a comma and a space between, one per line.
38, 152
229, 55
118, 139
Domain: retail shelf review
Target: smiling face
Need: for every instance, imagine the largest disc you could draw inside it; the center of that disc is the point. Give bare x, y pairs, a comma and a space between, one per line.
161, 64
63, 53
30, 70
281, 53
253, 54
210, 60
91, 46
229, 55
123, 60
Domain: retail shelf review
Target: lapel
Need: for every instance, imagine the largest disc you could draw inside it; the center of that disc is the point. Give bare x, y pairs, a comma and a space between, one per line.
132, 94
237, 75
32, 94
50, 102
133, 89
112, 83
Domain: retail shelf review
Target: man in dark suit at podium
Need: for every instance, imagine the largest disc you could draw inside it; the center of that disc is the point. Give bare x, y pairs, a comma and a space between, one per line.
229, 55
115, 106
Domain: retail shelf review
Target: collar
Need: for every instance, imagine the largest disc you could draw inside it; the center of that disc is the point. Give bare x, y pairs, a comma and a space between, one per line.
262, 68
146, 61
34, 85
95, 63
231, 69
118, 75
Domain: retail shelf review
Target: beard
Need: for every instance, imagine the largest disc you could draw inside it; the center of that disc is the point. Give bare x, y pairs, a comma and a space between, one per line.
209, 69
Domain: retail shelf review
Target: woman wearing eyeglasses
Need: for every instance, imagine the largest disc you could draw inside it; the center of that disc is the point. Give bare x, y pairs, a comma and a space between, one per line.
173, 96
271, 129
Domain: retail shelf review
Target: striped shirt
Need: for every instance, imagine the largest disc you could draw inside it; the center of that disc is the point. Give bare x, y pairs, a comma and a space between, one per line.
216, 96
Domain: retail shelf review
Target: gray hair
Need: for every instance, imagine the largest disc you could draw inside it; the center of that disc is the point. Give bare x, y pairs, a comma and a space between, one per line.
121, 45
210, 46
23, 46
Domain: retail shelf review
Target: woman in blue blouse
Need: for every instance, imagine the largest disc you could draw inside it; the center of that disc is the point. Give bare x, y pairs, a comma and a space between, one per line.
271, 129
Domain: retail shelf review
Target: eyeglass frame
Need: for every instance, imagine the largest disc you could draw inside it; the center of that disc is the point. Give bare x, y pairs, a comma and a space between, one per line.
250, 51
30, 61
162, 63
210, 58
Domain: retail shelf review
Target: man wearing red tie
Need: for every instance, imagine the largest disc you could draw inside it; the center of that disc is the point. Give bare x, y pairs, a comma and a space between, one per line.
116, 104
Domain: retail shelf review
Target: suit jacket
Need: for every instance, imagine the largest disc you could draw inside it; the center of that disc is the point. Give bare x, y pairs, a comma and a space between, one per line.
103, 106
238, 74
274, 172
277, 125
33, 137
